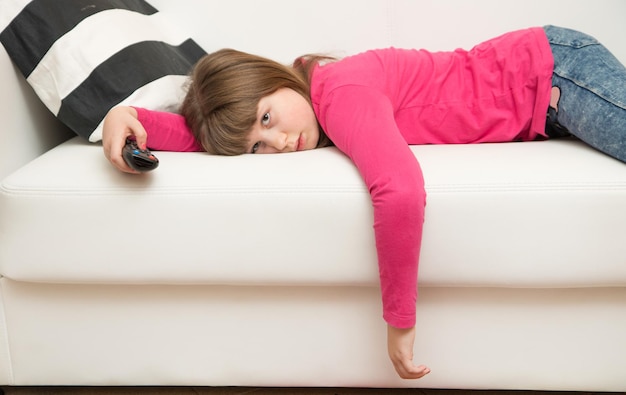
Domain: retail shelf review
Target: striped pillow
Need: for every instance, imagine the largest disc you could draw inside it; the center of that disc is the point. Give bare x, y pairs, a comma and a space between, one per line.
84, 57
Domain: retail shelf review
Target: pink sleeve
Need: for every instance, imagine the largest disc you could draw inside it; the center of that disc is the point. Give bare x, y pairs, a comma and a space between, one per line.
360, 121
167, 131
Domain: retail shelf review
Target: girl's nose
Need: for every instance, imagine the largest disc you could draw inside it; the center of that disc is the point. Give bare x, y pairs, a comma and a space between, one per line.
279, 141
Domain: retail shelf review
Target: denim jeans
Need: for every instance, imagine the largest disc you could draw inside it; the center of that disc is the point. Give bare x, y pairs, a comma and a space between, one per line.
592, 105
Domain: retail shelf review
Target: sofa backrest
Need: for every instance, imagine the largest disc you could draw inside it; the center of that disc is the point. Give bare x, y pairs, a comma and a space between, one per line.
27, 128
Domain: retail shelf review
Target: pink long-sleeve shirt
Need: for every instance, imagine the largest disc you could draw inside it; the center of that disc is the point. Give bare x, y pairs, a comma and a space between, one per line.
374, 104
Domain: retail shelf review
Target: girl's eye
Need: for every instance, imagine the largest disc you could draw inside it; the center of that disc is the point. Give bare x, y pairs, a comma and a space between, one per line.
255, 147
265, 120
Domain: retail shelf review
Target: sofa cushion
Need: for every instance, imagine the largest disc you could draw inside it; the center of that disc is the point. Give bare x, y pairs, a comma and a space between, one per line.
84, 57
549, 214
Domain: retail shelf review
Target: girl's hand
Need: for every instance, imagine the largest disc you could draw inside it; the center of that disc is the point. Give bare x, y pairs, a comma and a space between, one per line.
121, 122
400, 348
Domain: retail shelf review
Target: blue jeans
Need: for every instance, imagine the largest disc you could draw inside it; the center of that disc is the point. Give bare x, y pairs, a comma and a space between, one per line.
592, 105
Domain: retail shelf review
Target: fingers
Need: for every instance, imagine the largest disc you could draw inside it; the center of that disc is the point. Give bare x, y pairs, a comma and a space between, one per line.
119, 124
114, 154
141, 137
407, 370
119, 162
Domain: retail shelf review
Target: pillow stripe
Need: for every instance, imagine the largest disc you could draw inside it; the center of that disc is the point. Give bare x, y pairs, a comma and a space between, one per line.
118, 77
86, 50
42, 22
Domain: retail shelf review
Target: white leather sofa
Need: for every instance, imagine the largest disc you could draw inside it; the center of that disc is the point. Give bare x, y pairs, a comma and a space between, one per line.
261, 270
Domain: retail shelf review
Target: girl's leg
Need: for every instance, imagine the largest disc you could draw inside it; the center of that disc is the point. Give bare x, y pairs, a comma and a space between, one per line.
592, 91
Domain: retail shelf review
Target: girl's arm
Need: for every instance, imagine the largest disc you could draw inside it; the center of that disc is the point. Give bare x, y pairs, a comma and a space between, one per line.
167, 131
360, 121
160, 131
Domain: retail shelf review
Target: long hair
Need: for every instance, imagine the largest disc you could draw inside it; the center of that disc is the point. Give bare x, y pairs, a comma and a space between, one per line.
223, 94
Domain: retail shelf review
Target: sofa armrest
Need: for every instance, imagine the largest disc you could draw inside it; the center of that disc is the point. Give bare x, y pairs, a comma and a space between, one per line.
28, 129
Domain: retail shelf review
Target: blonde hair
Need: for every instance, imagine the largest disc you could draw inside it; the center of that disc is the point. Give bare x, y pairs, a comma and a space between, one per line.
224, 90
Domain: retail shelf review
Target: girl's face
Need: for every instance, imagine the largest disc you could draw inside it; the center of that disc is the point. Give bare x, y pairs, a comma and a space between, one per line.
285, 123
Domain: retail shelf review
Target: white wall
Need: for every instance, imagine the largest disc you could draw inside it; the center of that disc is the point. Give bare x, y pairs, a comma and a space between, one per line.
284, 29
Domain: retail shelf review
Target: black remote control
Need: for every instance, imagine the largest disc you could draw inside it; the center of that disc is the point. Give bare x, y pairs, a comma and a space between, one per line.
138, 159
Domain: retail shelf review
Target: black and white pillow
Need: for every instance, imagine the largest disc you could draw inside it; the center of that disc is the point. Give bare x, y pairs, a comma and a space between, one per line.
83, 57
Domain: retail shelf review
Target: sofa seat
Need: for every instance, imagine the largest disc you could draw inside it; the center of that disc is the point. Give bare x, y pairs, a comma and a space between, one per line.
306, 219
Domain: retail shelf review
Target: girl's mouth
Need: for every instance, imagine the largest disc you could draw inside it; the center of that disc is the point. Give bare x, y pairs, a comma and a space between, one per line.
300, 144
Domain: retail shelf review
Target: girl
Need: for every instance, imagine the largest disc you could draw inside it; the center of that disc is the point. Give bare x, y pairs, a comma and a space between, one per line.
531, 84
